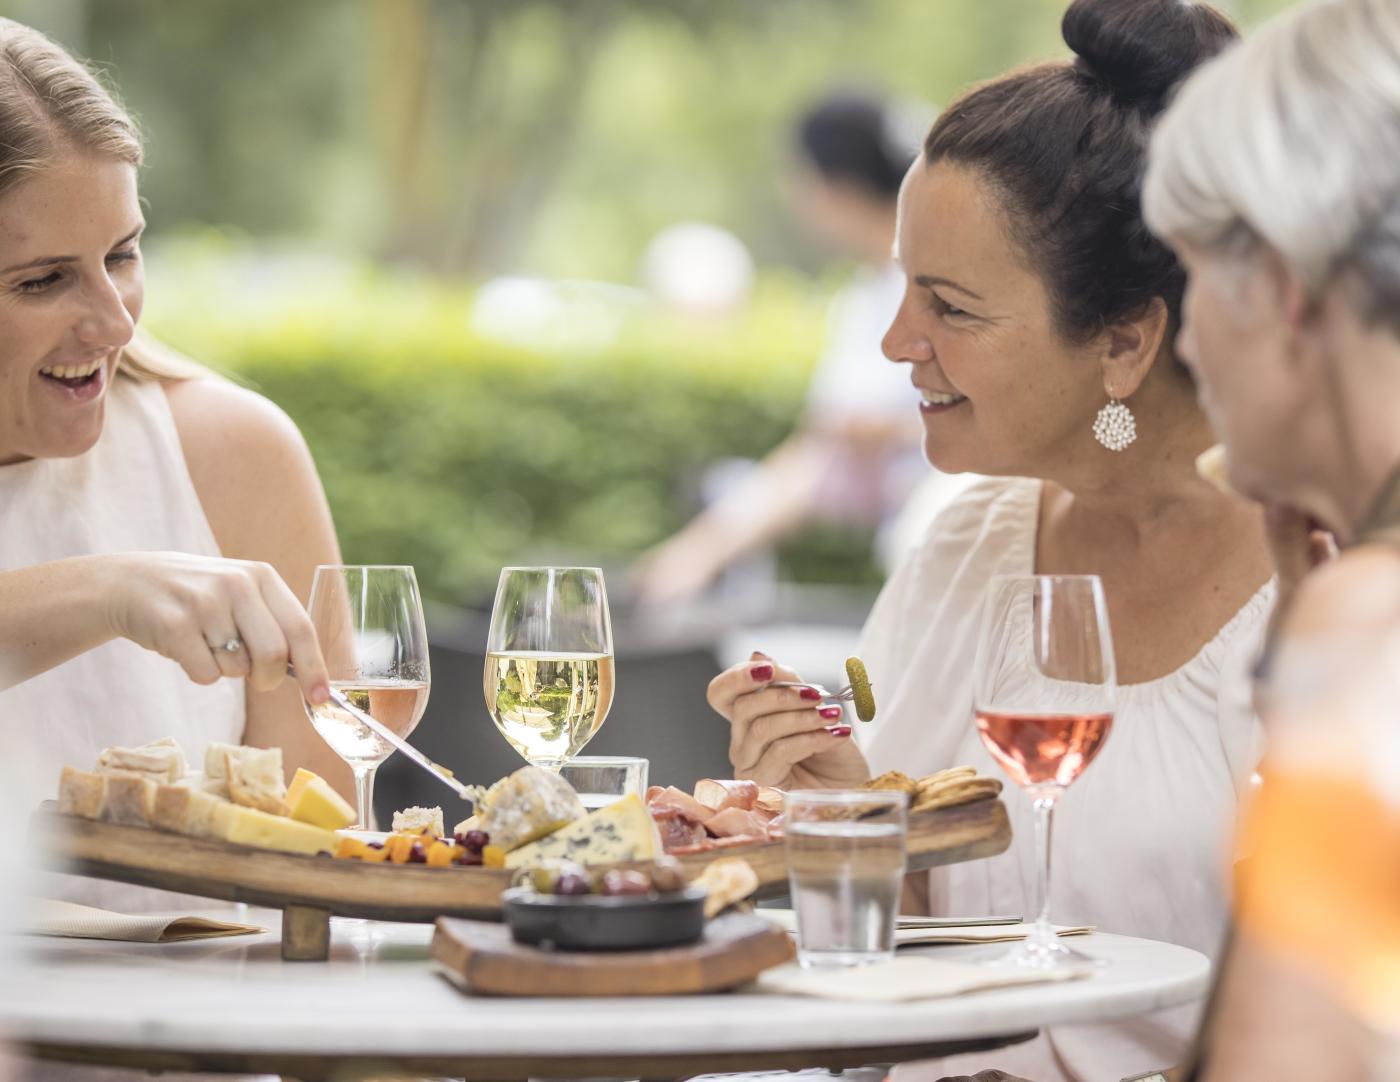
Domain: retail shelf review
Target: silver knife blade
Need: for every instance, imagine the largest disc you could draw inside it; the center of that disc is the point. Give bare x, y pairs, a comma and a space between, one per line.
378, 727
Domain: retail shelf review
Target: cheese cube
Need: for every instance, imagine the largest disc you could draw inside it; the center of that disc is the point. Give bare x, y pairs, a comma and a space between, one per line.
527, 805
623, 831
320, 805
248, 826
418, 820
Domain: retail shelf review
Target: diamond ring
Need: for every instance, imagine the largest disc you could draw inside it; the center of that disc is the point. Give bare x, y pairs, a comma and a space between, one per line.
234, 645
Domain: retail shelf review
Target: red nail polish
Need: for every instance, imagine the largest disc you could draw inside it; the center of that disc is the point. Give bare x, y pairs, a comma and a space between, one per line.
840, 730
762, 673
830, 711
810, 694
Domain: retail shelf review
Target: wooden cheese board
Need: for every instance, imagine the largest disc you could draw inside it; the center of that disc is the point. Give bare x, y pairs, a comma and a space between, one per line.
311, 889
735, 948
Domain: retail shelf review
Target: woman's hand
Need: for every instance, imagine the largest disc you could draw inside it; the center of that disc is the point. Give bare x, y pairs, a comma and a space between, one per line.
191, 608
1298, 545
783, 736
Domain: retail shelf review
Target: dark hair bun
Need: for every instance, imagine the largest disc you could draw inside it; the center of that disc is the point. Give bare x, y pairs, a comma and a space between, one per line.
1140, 49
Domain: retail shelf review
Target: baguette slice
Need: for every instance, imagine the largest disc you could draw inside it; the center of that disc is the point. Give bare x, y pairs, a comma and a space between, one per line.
255, 779
184, 810
81, 793
130, 799
161, 762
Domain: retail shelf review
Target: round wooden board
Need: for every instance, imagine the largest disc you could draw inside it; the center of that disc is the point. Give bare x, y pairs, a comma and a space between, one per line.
313, 888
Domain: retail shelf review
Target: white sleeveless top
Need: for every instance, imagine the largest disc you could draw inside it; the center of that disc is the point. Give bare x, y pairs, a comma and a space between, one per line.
130, 493
1142, 840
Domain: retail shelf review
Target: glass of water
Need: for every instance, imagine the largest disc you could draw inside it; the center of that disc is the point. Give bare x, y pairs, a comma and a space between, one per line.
601, 779
846, 860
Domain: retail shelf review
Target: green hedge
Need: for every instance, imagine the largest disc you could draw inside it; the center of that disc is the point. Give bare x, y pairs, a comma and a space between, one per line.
458, 455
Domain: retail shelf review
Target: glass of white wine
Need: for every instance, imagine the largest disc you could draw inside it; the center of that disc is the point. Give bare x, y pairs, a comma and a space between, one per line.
549, 661
370, 624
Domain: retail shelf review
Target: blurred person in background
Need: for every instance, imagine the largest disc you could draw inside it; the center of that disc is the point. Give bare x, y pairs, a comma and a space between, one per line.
855, 455
1035, 300
159, 526
1276, 177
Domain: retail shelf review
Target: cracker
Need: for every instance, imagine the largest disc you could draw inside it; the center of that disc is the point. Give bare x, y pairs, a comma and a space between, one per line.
894, 781
955, 792
953, 773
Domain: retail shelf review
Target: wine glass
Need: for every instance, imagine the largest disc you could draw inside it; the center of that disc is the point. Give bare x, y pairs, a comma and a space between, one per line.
370, 624
549, 661
1043, 694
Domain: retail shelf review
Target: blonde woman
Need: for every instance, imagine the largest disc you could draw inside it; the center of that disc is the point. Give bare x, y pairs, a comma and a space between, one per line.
158, 526
1276, 177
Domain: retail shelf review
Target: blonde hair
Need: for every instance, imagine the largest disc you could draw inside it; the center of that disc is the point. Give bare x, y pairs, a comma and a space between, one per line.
50, 103
1292, 140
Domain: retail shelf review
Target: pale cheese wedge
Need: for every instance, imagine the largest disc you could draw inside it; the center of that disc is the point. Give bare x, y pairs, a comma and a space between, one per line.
249, 826
621, 832
299, 781
315, 802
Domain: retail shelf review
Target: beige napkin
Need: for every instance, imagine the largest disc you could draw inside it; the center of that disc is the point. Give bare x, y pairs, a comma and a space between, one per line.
914, 932
904, 979
50, 917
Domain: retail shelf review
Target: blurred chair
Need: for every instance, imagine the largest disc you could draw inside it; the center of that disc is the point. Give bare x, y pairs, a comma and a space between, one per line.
659, 713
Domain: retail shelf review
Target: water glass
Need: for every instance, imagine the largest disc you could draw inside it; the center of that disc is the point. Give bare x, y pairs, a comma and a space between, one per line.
599, 780
846, 862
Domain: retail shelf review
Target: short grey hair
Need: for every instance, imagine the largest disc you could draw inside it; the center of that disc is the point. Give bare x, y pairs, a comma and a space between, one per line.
1292, 139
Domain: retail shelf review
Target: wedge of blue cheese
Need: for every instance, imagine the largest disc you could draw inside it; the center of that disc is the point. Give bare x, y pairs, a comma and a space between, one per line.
621, 832
527, 805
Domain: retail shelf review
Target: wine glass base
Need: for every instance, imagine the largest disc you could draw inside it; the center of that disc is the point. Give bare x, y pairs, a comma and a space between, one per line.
1053, 956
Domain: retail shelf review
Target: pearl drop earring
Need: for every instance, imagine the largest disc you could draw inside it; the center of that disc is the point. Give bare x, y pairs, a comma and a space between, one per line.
1115, 427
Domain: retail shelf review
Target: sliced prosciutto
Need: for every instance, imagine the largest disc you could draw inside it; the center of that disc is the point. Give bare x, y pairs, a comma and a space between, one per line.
721, 795
736, 822
680, 801
677, 830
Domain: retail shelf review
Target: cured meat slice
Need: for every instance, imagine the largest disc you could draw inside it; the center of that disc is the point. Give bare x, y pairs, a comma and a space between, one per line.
671, 797
733, 822
728, 793
677, 830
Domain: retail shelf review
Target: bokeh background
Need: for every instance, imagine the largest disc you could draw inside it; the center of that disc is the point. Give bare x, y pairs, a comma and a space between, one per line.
423, 228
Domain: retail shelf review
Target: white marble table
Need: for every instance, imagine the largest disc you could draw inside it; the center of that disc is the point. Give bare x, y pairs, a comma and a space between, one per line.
378, 1007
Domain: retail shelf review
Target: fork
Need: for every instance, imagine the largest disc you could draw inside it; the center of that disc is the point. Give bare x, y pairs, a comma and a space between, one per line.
841, 695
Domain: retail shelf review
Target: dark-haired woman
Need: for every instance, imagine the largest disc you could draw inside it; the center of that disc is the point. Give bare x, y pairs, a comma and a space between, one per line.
1035, 298
855, 453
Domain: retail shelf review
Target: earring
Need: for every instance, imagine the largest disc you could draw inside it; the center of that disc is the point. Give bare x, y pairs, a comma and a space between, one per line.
1115, 427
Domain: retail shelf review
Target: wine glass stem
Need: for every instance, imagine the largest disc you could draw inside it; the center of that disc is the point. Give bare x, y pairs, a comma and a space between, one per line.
364, 795
1044, 819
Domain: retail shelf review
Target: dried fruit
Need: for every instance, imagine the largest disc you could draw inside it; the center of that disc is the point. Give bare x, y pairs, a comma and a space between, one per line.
863, 696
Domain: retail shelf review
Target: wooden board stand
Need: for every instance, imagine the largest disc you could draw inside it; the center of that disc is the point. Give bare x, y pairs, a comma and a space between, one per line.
735, 948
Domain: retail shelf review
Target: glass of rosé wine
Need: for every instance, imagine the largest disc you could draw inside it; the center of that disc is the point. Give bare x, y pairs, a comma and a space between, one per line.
1043, 693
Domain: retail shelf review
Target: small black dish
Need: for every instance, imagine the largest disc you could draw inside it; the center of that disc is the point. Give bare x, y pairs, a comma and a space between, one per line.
597, 922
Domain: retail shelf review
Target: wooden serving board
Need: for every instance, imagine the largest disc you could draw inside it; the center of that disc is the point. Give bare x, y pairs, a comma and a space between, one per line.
482, 958
311, 889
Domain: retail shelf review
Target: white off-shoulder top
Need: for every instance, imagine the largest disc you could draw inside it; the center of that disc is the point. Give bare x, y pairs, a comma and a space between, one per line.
1142, 840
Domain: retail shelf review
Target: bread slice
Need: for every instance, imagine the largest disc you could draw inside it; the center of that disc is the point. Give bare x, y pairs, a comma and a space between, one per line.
216, 767
161, 762
182, 809
255, 779
81, 793
130, 799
